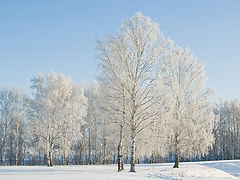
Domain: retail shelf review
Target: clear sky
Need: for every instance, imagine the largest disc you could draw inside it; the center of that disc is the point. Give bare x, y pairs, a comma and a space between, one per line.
56, 35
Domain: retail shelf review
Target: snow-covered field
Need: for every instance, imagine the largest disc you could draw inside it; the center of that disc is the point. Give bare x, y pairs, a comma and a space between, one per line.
192, 170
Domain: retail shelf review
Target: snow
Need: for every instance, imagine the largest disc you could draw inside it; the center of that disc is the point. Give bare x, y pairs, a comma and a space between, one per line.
192, 170
229, 166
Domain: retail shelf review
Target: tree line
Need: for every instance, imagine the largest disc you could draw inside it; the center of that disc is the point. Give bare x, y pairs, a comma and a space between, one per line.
149, 103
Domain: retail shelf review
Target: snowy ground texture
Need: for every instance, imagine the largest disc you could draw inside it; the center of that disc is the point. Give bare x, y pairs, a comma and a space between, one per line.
192, 170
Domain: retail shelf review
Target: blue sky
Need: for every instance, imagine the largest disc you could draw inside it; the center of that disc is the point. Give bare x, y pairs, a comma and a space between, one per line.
56, 35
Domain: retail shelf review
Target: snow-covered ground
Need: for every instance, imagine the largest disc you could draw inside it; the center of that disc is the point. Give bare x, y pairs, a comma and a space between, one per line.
191, 170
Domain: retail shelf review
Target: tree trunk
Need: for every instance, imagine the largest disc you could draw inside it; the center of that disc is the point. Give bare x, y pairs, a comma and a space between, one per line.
176, 165
49, 153
114, 157
17, 154
64, 157
89, 147
126, 159
39, 157
132, 168
80, 157
17, 141
4, 141
50, 159
122, 159
151, 159
104, 150
121, 130
11, 159
68, 159
120, 149
119, 159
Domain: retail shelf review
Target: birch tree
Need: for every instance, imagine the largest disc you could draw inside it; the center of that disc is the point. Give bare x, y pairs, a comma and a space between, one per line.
57, 108
114, 105
136, 50
188, 113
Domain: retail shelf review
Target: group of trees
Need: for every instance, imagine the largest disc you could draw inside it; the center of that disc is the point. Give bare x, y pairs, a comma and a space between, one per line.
155, 88
148, 104
12, 125
226, 131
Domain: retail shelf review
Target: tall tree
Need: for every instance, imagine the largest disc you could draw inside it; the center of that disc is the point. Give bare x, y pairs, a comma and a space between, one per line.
187, 109
132, 59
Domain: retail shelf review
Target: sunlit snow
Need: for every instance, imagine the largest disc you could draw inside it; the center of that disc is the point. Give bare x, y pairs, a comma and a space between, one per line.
191, 170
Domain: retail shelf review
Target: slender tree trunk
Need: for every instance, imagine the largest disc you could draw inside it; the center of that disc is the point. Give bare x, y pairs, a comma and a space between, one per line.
49, 153
133, 128
51, 160
119, 159
1, 158
132, 168
126, 160
96, 150
121, 129
48, 159
89, 147
120, 150
176, 143
122, 161
104, 150
39, 157
64, 157
114, 157
17, 141
176, 165
80, 157
11, 150
4, 144
151, 159
3, 148
17, 153
122, 158
67, 159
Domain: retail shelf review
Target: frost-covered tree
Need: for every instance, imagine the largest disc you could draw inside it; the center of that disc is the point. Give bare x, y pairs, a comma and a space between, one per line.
132, 58
97, 127
114, 105
92, 122
58, 108
12, 124
185, 104
6, 100
115, 102
226, 131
